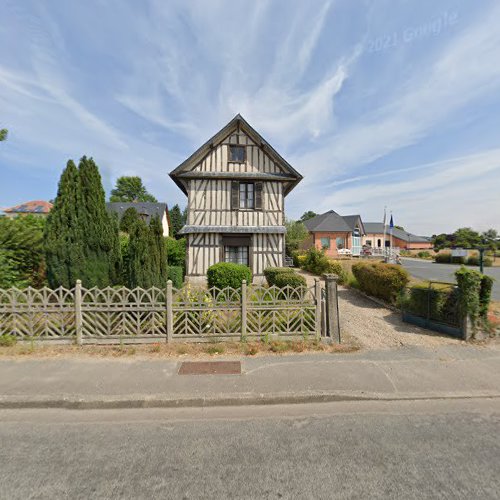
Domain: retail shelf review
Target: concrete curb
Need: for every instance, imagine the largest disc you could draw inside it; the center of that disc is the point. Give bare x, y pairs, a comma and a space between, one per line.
110, 402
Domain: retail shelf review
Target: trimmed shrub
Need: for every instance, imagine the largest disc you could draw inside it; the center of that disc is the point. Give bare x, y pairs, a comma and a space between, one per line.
226, 274
473, 260
385, 281
424, 254
283, 276
316, 261
175, 273
296, 254
301, 260
457, 260
469, 284
335, 267
271, 272
443, 258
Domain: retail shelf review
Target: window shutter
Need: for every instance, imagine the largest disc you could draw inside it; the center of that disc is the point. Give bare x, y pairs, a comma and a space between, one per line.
235, 195
258, 195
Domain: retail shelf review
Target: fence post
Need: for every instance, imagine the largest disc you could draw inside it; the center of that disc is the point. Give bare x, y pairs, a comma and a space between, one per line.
78, 312
332, 308
317, 295
243, 309
170, 314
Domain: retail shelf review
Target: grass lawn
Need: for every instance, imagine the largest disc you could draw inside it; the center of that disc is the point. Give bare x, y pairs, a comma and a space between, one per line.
174, 350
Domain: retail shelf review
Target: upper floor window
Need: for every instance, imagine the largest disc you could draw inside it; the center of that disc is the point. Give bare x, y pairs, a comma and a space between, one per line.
247, 195
237, 154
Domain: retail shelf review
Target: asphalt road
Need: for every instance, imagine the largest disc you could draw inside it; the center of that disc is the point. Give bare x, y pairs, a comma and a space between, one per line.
410, 449
427, 270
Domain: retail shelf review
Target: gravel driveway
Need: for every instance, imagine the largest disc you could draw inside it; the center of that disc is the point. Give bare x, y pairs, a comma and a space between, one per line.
370, 325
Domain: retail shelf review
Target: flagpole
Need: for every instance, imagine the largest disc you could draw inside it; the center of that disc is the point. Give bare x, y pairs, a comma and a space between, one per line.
390, 231
385, 222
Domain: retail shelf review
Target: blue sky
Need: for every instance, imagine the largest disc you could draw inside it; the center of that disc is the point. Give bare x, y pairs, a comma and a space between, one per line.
375, 102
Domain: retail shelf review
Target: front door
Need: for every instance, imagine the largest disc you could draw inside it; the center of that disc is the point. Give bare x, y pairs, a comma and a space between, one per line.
356, 243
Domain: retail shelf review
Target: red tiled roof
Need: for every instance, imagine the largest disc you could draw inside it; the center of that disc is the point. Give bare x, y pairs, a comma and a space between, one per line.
31, 207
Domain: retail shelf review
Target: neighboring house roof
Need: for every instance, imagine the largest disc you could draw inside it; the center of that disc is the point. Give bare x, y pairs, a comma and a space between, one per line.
237, 123
146, 209
378, 228
30, 207
332, 222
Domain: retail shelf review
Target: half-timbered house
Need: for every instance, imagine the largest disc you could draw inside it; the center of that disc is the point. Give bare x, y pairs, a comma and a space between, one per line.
236, 185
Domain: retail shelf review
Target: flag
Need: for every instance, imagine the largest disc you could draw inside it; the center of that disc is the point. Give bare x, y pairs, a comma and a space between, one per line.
391, 224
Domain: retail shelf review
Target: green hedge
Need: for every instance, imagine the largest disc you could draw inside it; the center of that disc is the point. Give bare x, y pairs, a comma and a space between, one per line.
473, 260
226, 274
283, 276
176, 274
385, 281
443, 258
485, 295
438, 302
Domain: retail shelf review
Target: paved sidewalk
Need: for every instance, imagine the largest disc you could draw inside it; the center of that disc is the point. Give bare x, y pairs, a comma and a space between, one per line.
404, 373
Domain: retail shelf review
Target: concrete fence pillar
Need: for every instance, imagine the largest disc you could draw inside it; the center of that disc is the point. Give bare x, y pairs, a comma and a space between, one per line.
243, 309
170, 312
332, 308
78, 312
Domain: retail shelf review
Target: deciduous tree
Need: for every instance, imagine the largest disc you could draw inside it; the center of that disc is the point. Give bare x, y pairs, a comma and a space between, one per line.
131, 189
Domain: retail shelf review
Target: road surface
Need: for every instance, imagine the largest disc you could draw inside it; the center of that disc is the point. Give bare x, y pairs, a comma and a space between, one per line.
428, 270
357, 449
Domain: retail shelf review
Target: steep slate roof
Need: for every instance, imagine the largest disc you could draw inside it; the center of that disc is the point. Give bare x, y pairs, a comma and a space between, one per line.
331, 221
378, 228
148, 209
30, 207
237, 123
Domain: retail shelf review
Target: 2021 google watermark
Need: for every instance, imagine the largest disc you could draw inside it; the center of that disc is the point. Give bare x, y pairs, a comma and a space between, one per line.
434, 27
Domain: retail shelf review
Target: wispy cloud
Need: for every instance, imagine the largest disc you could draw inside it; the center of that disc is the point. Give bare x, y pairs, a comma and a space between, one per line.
139, 85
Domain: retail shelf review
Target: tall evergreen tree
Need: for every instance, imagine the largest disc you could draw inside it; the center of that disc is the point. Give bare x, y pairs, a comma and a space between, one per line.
129, 218
159, 256
99, 246
176, 220
140, 272
63, 240
116, 260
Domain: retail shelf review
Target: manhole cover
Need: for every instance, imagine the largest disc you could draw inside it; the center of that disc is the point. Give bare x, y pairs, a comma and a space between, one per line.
210, 368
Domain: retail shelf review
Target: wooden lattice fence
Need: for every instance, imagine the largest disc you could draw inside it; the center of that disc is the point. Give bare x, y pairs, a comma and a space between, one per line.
137, 315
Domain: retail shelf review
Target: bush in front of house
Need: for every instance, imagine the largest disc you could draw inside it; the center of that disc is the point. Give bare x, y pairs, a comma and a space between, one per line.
443, 258
335, 267
298, 257
385, 281
473, 260
283, 276
227, 274
316, 261
176, 275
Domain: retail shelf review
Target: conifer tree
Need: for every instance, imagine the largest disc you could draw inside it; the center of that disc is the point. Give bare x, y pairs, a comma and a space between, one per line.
63, 240
129, 218
176, 220
100, 238
139, 256
159, 257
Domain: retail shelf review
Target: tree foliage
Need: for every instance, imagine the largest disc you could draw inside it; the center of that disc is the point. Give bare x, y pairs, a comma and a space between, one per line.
81, 238
465, 237
3, 134
131, 189
177, 220
129, 218
307, 215
175, 251
296, 233
22, 260
63, 239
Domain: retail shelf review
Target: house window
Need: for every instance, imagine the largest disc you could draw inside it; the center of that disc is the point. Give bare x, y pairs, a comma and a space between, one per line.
340, 242
325, 243
379, 243
356, 232
236, 255
369, 243
247, 199
237, 154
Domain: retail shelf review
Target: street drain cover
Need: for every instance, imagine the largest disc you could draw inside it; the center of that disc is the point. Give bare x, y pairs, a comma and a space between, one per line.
210, 368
